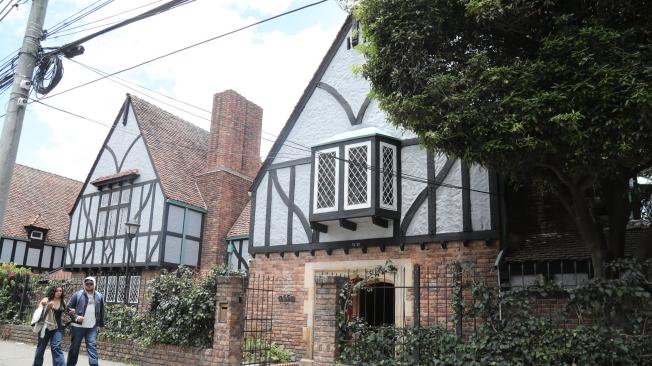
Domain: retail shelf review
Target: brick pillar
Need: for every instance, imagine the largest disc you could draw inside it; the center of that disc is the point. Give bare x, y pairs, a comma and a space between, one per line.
228, 333
327, 289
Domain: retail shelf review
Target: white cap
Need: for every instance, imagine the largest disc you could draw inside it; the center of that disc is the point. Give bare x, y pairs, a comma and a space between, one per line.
90, 278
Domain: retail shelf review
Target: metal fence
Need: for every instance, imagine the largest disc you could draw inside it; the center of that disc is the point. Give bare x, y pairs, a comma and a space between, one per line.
32, 291
258, 320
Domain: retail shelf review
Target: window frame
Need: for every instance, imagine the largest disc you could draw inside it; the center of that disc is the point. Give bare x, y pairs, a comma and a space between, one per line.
315, 182
347, 178
381, 180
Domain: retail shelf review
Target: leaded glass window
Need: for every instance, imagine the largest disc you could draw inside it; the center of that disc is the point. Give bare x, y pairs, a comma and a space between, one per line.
134, 289
326, 180
388, 176
358, 176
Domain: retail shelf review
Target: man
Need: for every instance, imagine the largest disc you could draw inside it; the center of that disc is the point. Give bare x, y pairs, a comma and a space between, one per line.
86, 307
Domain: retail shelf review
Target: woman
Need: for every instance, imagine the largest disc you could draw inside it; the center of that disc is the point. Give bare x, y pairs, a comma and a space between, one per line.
54, 301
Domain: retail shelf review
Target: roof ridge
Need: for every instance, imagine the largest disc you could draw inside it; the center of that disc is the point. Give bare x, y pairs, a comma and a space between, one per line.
46, 172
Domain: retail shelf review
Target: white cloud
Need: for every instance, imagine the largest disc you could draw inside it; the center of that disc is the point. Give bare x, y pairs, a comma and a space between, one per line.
271, 69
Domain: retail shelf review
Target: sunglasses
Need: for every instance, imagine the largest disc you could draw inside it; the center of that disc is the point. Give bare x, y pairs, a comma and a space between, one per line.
89, 284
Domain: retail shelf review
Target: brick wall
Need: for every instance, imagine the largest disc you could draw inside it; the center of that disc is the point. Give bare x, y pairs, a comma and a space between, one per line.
122, 350
235, 134
290, 325
226, 195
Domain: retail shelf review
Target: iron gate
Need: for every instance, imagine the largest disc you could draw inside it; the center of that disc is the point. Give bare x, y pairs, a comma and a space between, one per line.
258, 320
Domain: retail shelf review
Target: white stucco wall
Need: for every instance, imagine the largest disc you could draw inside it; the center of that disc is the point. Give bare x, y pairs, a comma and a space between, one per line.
279, 214
449, 200
260, 212
302, 201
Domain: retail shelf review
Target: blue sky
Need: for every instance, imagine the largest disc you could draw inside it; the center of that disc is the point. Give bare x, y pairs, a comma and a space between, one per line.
269, 65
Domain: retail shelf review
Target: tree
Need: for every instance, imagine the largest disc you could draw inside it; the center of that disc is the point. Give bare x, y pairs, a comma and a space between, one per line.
554, 93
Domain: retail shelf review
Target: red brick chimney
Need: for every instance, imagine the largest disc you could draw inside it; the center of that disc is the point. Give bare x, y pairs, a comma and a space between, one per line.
235, 134
233, 161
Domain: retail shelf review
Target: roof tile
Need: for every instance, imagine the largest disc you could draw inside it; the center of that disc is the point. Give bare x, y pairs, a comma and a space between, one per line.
241, 225
41, 198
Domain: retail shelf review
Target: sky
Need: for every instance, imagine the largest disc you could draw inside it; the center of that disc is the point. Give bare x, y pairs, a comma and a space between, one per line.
270, 65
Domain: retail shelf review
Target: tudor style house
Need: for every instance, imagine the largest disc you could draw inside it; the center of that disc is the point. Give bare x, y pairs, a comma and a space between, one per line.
342, 190
35, 228
182, 185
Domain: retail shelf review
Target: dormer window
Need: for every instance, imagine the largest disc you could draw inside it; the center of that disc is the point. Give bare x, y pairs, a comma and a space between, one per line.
355, 175
36, 235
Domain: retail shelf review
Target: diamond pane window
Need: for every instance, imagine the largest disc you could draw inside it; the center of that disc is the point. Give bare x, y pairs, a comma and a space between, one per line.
120, 296
326, 180
134, 289
388, 176
358, 175
111, 282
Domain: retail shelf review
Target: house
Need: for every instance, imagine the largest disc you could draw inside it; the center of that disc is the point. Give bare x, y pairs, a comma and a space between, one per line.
342, 191
35, 228
183, 185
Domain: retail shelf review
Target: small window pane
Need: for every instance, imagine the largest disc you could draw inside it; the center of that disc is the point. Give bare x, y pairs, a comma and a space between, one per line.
120, 291
358, 178
125, 195
110, 288
326, 180
115, 198
47, 255
388, 178
58, 254
19, 256
175, 219
32, 257
193, 223
7, 246
134, 289
105, 200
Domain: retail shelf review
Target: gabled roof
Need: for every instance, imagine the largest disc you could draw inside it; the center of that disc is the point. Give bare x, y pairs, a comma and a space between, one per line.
178, 150
241, 226
305, 97
39, 199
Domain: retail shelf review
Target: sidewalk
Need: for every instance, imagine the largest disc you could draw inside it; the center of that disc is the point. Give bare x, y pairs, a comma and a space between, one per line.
22, 354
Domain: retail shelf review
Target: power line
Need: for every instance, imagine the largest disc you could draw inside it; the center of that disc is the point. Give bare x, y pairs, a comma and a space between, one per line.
368, 167
113, 79
188, 47
84, 12
99, 20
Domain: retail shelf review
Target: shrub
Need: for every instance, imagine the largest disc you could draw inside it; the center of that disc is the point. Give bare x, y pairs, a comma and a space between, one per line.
256, 349
12, 282
613, 317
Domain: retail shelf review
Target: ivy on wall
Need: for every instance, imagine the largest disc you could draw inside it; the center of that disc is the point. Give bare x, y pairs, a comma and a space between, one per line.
611, 325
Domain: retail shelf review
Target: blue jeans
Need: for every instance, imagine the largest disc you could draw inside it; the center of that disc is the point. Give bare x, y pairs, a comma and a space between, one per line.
54, 337
89, 335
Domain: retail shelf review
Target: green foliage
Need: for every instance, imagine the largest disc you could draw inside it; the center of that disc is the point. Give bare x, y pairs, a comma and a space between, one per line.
256, 349
521, 336
181, 310
11, 288
552, 93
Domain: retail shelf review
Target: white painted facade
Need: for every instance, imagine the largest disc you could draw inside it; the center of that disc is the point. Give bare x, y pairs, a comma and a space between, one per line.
97, 236
321, 118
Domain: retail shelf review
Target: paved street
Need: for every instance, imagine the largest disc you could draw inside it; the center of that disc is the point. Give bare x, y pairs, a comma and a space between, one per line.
22, 354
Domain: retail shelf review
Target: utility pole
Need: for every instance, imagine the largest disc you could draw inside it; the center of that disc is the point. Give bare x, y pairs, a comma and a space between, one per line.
10, 137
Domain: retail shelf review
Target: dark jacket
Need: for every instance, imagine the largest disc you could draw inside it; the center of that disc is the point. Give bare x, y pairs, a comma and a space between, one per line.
79, 301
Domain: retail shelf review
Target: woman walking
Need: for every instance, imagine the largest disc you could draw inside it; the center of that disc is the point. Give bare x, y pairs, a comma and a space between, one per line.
54, 302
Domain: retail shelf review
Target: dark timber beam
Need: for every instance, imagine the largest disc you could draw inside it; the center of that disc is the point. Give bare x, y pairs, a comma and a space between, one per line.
379, 221
348, 224
319, 227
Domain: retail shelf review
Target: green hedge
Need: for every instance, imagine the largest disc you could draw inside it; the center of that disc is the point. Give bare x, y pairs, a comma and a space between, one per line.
12, 282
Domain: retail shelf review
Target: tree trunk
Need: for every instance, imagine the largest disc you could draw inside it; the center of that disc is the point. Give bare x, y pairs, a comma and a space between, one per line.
590, 231
616, 192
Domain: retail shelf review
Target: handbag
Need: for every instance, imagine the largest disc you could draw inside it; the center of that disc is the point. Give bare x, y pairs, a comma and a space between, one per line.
38, 319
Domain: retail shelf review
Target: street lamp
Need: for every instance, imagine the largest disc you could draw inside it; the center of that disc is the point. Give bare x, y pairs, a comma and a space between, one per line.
132, 229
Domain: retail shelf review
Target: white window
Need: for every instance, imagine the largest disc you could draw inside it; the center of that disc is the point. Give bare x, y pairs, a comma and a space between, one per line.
326, 180
388, 172
134, 289
357, 176
36, 234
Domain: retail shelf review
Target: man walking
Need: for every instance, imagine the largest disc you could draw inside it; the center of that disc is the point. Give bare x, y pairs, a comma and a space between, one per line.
86, 308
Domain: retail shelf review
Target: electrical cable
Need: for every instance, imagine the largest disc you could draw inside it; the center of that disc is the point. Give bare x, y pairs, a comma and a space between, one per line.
189, 47
15, 6
99, 20
49, 69
368, 167
75, 17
